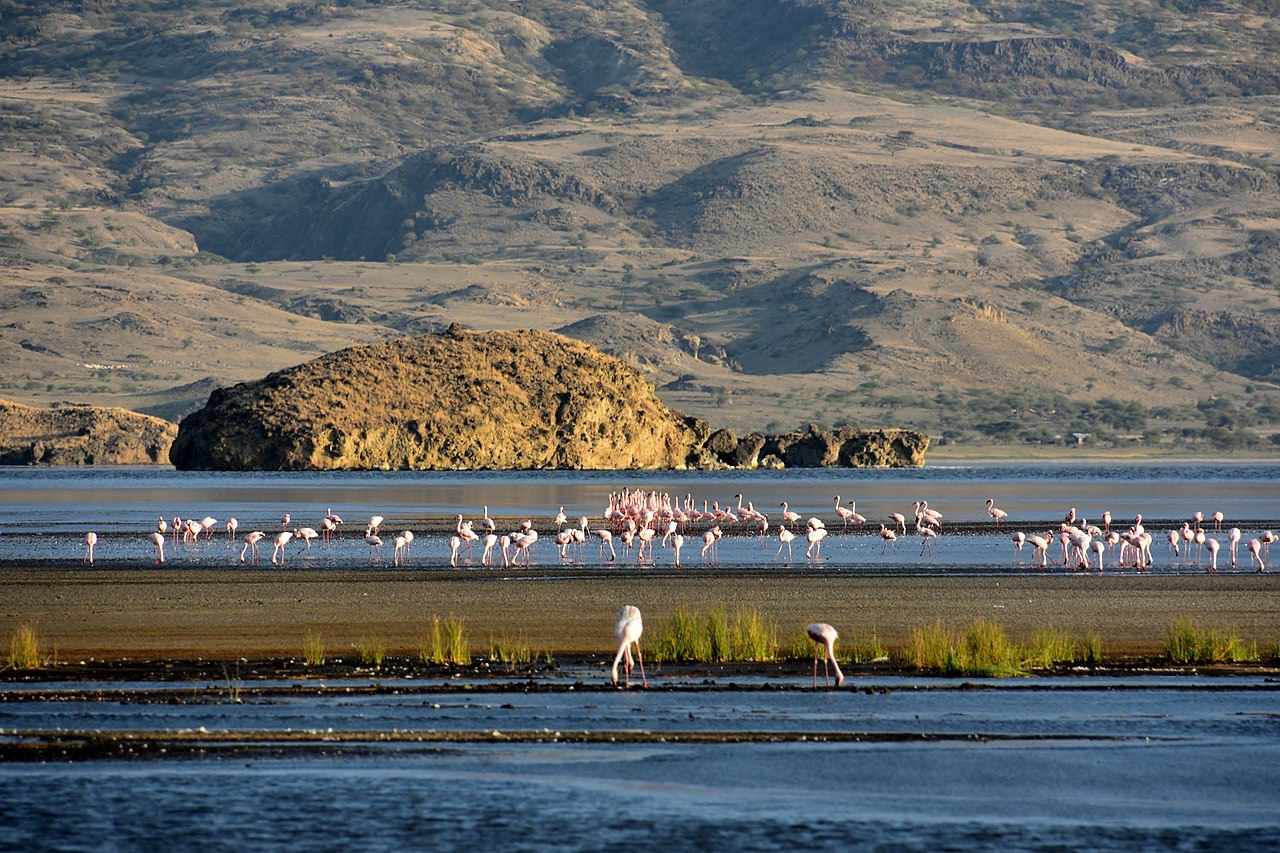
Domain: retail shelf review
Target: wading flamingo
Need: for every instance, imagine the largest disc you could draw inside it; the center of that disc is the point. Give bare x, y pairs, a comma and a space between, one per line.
90, 540
788, 516
1019, 540
886, 536
306, 534
785, 537
251, 541
1255, 554
232, 526
997, 515
397, 553
282, 539
1233, 537
824, 639
677, 542
157, 540
627, 631
1213, 545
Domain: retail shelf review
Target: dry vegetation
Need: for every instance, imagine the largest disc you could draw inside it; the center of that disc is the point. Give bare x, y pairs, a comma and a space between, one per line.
997, 221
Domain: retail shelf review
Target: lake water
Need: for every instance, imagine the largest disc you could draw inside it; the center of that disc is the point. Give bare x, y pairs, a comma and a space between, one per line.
1130, 764
45, 512
1175, 763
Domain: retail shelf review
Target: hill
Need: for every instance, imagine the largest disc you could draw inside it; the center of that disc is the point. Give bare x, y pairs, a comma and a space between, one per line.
81, 435
993, 221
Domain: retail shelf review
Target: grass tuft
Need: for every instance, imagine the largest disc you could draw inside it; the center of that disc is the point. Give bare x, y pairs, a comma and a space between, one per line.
717, 636
447, 642
24, 648
1187, 642
1050, 646
372, 650
313, 649
1093, 648
510, 651
983, 649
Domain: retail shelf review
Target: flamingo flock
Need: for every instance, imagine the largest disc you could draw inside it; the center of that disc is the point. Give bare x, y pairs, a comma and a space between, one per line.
636, 525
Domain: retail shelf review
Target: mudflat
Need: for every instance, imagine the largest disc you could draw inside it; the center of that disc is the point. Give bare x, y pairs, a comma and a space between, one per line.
184, 614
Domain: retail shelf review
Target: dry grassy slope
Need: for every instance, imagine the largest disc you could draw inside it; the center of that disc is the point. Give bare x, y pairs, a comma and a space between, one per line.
949, 196
81, 435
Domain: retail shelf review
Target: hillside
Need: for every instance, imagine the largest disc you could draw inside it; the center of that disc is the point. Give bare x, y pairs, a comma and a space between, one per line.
995, 220
81, 435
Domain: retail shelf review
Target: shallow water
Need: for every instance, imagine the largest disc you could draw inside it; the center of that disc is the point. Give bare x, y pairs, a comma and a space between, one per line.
1188, 769
45, 512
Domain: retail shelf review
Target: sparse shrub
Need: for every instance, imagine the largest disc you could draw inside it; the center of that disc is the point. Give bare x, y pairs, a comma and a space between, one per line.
313, 649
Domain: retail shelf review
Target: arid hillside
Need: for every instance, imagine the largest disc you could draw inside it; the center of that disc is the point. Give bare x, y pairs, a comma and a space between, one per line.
998, 222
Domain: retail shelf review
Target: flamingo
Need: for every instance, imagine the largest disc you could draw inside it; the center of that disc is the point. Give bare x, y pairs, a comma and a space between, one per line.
375, 524
899, 520
1218, 518
627, 631
1267, 538
327, 528
1106, 522
177, 527
505, 542
490, 541
90, 540
306, 534
282, 539
824, 638
815, 537
1255, 554
232, 526
207, 523
785, 537
606, 538
251, 541
284, 520
408, 541
886, 536
997, 515
1200, 540
375, 544
677, 542
1233, 537
1198, 518
561, 518
646, 538
157, 539
1099, 548
397, 554
1213, 545
563, 538
161, 527
1019, 540
488, 522
844, 513
455, 542
1041, 546
1174, 539
927, 536
789, 517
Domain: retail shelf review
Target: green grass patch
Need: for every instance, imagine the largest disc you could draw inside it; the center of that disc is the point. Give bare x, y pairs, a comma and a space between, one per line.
1092, 648
445, 643
1187, 642
1049, 647
372, 650
510, 651
982, 649
716, 636
24, 648
313, 649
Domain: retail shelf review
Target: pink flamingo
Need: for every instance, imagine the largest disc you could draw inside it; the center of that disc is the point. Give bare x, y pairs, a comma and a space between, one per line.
282, 539
677, 542
397, 554
157, 540
1019, 540
824, 638
232, 526
997, 515
1041, 546
844, 513
887, 536
1233, 537
1218, 518
90, 540
785, 538
788, 516
606, 539
374, 541
815, 537
251, 544
1255, 554
1213, 546
900, 521
490, 542
627, 631
306, 534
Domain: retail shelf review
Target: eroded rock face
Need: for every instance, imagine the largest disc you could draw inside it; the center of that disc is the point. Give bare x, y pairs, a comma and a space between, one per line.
492, 400
81, 435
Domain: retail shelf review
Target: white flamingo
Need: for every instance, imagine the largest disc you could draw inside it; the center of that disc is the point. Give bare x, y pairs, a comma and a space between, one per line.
824, 639
90, 540
251, 541
157, 540
627, 631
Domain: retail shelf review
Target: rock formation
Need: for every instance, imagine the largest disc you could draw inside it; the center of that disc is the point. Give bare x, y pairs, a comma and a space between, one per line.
81, 435
492, 400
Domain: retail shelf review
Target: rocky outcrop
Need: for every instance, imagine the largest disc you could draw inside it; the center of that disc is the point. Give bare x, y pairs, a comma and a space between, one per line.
492, 400
458, 400
81, 435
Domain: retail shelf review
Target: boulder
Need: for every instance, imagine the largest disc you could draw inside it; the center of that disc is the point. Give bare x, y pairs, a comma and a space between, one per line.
747, 453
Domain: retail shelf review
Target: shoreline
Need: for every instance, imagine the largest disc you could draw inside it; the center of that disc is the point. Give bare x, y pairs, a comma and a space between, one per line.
186, 614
